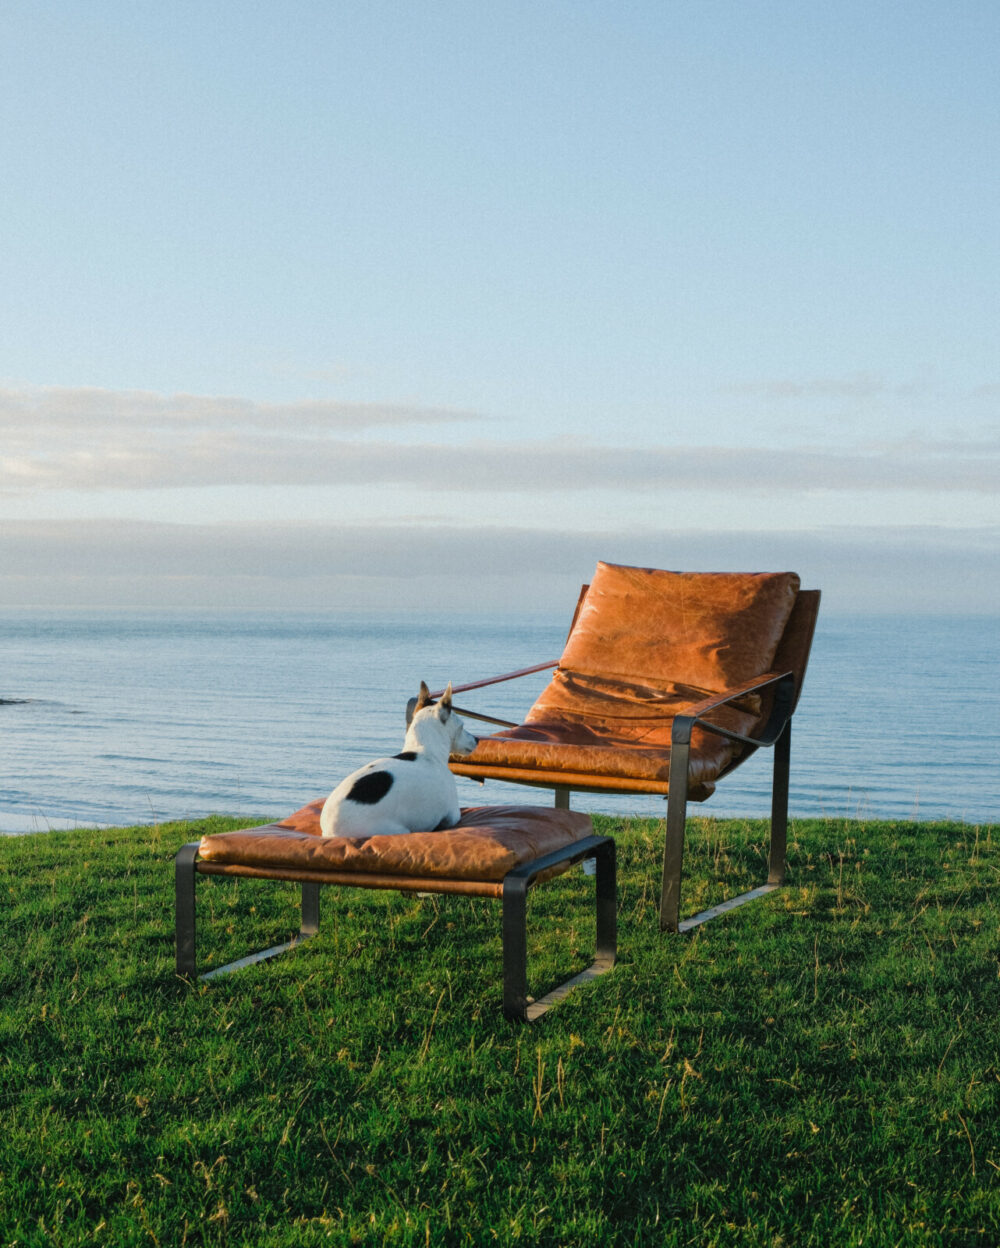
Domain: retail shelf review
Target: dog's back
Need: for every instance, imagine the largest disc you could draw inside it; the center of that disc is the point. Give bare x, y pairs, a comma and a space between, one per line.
410, 792
406, 793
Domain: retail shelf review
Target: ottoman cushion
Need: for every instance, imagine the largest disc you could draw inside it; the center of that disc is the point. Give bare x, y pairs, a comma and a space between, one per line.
487, 843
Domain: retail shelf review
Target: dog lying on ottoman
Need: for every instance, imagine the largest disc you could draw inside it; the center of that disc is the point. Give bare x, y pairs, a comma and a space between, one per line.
410, 792
396, 824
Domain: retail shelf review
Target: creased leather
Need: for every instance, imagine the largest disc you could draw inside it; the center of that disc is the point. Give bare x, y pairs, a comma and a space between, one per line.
488, 842
646, 644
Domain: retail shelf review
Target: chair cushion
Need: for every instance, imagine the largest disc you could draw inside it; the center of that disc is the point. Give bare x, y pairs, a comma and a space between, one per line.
705, 630
487, 842
647, 644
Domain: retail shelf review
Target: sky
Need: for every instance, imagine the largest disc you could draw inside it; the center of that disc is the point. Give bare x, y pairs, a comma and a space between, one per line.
366, 304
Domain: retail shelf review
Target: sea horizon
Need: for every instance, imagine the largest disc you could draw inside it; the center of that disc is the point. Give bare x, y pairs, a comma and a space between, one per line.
110, 717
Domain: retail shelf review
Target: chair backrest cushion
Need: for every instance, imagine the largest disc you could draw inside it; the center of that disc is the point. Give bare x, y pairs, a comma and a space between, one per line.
646, 643
709, 630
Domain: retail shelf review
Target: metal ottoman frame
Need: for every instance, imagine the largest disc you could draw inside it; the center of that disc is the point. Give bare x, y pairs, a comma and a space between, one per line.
517, 1005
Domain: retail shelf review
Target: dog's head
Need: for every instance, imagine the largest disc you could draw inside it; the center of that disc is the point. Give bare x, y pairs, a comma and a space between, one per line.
459, 739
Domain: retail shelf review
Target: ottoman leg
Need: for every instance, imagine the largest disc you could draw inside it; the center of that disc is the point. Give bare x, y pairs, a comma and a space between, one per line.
310, 910
184, 920
515, 948
515, 925
184, 929
607, 905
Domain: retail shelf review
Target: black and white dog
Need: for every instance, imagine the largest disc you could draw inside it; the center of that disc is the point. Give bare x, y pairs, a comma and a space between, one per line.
411, 792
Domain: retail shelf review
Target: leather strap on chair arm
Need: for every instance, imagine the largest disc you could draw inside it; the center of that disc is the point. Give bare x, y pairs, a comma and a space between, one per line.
781, 712
495, 680
481, 684
486, 719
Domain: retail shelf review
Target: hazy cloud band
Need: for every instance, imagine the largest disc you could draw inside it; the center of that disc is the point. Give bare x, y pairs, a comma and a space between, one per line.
88, 413
322, 566
213, 458
88, 439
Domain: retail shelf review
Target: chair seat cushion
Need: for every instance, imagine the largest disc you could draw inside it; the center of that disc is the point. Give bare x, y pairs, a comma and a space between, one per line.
577, 748
487, 843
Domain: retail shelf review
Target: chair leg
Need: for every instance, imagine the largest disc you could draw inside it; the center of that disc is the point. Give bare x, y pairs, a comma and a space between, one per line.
562, 797
673, 849
779, 807
776, 855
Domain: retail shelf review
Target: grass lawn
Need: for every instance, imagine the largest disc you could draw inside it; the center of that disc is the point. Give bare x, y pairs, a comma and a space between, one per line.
819, 1068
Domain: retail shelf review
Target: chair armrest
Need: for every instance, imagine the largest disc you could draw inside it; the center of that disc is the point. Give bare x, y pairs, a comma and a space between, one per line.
781, 712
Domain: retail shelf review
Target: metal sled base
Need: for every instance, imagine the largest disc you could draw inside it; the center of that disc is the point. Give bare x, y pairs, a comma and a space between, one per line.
713, 912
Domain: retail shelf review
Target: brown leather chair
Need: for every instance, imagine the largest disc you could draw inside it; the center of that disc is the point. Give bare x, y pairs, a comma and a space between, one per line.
668, 681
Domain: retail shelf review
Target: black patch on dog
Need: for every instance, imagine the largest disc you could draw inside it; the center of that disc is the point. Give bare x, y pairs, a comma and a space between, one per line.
409, 755
371, 788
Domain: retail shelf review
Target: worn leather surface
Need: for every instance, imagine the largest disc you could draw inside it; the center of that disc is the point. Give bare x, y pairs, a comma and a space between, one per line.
358, 879
488, 842
645, 645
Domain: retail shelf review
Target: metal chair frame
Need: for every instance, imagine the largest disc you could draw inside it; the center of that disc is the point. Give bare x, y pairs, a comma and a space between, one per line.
776, 734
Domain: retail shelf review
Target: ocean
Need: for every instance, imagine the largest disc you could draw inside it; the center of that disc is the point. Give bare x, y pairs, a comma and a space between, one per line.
129, 718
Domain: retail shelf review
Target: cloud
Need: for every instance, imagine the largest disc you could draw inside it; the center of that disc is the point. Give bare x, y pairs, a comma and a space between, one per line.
146, 459
856, 386
88, 415
60, 438
315, 567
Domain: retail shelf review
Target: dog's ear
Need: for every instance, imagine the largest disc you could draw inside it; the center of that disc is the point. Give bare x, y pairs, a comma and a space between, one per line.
445, 702
423, 698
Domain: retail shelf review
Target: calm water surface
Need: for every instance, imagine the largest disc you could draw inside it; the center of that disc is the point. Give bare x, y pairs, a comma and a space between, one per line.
119, 719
